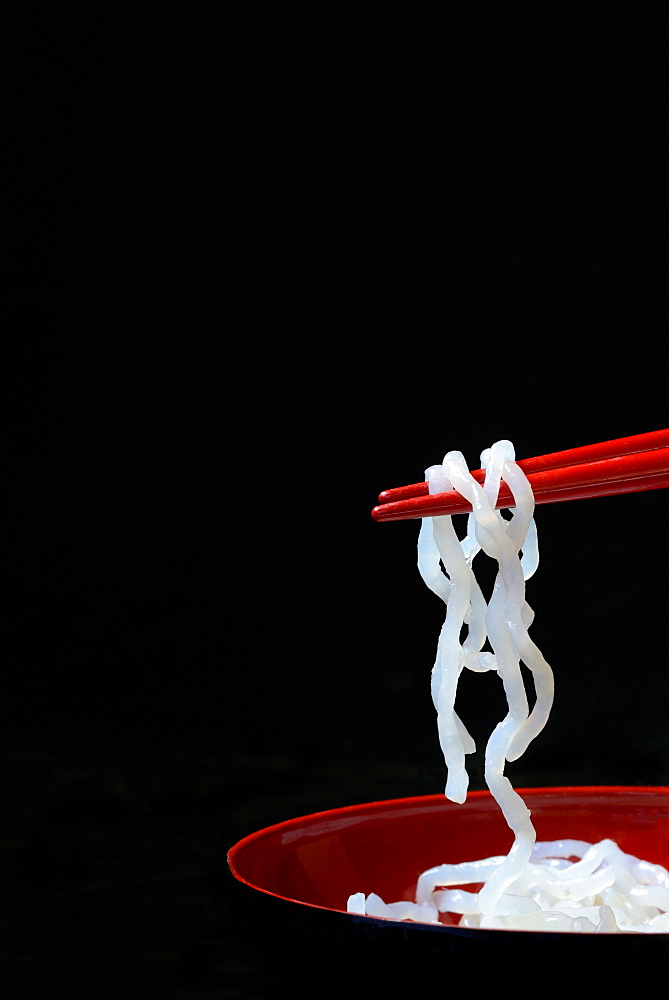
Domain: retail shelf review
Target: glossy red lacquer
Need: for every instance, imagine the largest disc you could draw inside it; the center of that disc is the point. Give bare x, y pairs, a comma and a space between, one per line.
624, 465
382, 847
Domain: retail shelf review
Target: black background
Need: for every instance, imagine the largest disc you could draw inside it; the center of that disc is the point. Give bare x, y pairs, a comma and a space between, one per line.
268, 265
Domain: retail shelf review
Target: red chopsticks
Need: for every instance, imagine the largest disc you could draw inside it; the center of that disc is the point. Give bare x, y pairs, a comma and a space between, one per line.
625, 465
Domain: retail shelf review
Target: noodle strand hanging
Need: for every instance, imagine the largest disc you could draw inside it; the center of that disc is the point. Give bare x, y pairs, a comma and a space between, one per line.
536, 886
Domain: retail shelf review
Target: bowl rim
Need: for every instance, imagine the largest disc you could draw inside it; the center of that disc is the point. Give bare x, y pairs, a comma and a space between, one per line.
414, 801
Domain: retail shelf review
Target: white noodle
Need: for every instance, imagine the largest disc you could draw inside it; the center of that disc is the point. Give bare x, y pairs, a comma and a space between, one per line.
536, 886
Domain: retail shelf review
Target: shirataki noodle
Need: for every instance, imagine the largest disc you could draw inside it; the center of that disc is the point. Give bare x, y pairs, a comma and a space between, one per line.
566, 885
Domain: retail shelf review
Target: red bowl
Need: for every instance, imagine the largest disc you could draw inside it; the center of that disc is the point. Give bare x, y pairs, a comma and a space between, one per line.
311, 864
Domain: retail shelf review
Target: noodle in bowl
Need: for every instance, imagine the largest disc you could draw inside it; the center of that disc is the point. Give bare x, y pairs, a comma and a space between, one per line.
444, 890
301, 870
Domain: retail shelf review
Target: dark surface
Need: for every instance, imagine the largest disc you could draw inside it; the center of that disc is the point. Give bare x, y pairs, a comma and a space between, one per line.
267, 267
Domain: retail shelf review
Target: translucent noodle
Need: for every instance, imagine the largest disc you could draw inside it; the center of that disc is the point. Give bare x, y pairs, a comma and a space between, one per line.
536, 886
